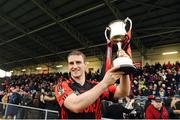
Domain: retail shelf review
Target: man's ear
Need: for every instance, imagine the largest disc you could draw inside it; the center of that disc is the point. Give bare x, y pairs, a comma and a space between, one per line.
86, 65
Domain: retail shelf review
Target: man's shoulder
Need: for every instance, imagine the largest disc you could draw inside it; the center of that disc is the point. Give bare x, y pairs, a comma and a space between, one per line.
65, 82
150, 106
62, 84
92, 81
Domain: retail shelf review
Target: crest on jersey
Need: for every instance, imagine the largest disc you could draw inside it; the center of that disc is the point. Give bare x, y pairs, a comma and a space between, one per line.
61, 90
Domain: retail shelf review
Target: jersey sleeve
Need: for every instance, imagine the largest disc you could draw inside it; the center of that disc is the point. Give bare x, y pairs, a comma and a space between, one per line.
62, 90
109, 93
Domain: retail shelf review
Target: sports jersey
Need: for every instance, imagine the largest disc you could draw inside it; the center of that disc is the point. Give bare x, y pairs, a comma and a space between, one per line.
94, 111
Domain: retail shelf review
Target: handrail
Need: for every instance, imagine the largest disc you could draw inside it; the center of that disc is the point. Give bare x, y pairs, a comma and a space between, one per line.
30, 107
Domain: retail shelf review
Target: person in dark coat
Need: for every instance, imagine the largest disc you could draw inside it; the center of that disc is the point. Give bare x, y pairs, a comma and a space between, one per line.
15, 98
26, 101
116, 110
36, 103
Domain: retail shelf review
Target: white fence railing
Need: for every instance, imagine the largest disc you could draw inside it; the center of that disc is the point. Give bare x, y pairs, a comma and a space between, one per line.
13, 111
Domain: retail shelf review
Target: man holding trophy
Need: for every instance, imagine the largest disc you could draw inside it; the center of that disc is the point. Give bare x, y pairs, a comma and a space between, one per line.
80, 98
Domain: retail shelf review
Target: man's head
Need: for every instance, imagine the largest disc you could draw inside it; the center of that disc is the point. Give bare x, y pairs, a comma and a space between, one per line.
161, 89
157, 102
76, 64
79, 53
17, 88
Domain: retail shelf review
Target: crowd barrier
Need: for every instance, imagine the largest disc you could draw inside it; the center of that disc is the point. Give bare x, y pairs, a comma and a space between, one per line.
12, 111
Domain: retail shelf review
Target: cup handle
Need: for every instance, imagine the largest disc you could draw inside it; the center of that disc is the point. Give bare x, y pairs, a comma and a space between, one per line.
128, 19
105, 33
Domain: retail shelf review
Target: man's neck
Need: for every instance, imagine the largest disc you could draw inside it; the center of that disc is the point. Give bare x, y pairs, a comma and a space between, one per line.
80, 80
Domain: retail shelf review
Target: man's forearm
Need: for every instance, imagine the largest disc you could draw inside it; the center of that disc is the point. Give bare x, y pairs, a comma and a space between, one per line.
82, 101
125, 84
177, 111
123, 88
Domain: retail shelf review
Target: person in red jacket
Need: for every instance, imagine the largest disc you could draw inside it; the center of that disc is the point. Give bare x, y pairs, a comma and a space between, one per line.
156, 110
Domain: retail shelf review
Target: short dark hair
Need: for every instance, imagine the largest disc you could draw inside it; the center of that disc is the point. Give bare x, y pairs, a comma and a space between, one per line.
77, 52
158, 99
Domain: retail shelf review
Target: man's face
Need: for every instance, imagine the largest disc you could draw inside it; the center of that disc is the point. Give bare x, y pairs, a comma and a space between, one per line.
17, 89
158, 104
161, 89
76, 66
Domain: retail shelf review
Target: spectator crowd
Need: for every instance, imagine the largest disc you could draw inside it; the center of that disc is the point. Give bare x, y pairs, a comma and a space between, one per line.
37, 90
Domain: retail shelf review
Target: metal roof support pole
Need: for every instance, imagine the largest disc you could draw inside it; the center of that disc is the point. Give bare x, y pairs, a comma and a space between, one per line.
15, 47
159, 33
117, 15
149, 10
59, 21
2, 59
65, 25
82, 48
150, 5
36, 38
24, 30
61, 52
113, 9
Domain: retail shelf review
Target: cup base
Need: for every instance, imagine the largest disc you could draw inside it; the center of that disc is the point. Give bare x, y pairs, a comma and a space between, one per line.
124, 64
126, 69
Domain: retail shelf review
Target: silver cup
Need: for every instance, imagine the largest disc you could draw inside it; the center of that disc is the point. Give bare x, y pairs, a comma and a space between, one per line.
118, 34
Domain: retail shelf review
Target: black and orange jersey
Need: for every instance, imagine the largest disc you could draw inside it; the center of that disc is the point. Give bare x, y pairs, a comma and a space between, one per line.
94, 111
